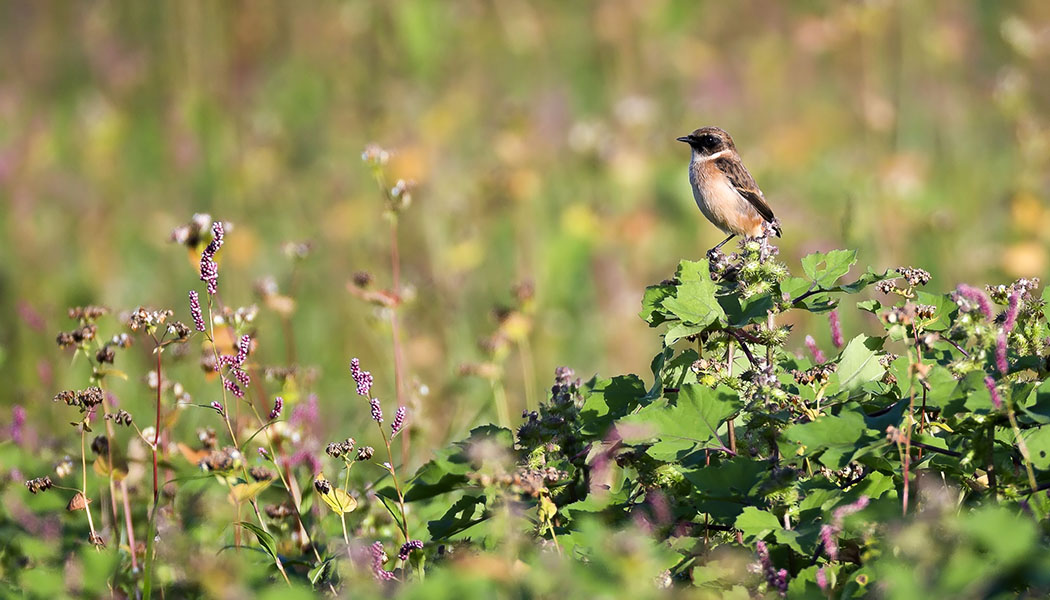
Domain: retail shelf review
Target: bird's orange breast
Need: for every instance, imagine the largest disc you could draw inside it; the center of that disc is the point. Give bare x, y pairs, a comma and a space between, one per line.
720, 202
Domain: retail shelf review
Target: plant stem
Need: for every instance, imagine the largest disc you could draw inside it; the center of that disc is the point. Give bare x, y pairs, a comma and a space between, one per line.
397, 486
395, 276
83, 486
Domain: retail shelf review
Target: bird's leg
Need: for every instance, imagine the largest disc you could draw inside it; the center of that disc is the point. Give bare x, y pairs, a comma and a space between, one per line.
719, 246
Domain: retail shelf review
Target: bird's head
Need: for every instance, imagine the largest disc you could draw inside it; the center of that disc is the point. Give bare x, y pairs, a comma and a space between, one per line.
708, 140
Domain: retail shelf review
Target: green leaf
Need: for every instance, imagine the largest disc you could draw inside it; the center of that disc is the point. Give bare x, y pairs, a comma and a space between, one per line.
695, 304
839, 438
652, 301
1046, 303
608, 400
756, 524
467, 512
675, 429
319, 572
265, 539
449, 467
1038, 442
944, 309
824, 269
857, 365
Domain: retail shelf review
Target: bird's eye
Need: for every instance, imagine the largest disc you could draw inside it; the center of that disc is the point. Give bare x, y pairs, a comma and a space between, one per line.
709, 141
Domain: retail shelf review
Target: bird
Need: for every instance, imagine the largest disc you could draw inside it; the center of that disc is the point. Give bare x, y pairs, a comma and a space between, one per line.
724, 189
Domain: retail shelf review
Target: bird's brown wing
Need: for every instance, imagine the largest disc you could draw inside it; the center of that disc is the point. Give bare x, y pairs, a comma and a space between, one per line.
745, 185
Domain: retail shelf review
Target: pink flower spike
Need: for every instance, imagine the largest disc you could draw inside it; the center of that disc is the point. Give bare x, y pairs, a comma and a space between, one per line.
811, 345
997, 400
836, 329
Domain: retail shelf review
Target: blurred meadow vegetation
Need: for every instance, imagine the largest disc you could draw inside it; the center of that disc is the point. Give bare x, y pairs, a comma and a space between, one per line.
541, 138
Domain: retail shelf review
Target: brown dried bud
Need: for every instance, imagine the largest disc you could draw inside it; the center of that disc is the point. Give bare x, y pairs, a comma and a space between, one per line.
261, 474
362, 279
77, 502
105, 354
278, 511
322, 485
40, 484
365, 453
100, 445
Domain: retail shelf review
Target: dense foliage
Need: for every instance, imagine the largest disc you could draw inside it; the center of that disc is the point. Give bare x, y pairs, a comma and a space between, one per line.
737, 467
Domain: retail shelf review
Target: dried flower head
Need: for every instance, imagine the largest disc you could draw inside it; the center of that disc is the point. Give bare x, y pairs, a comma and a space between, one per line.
121, 417
322, 485
87, 314
40, 484
344, 448
279, 511
261, 474
914, 276
375, 156
365, 453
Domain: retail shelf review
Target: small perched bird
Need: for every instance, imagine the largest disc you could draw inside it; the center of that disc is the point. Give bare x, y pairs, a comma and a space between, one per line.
723, 188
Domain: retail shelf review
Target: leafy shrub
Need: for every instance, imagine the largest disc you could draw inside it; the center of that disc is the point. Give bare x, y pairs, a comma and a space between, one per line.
908, 464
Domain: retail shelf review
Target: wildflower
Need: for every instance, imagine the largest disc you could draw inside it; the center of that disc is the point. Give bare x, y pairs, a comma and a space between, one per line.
822, 579
232, 386
209, 270
997, 400
1000, 353
64, 467
362, 378
977, 297
377, 410
378, 558
365, 452
375, 156
195, 310
811, 345
278, 405
18, 421
407, 549
264, 453
337, 449
831, 546
836, 329
776, 579
242, 350
218, 407
399, 421
1011, 312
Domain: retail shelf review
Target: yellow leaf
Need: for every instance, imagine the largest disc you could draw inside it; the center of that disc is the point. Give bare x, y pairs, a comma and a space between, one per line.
246, 491
339, 501
942, 426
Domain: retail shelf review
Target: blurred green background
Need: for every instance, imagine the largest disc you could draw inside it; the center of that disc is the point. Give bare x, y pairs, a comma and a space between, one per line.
541, 136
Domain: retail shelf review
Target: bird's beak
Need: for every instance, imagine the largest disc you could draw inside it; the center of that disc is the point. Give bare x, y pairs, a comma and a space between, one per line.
685, 138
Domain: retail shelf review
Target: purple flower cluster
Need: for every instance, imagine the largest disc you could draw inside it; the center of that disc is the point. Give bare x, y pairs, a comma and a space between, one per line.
1000, 353
362, 378
408, 547
977, 297
377, 410
278, 405
236, 364
997, 400
209, 268
195, 310
399, 421
818, 356
218, 407
822, 579
829, 533
378, 558
777, 580
836, 329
